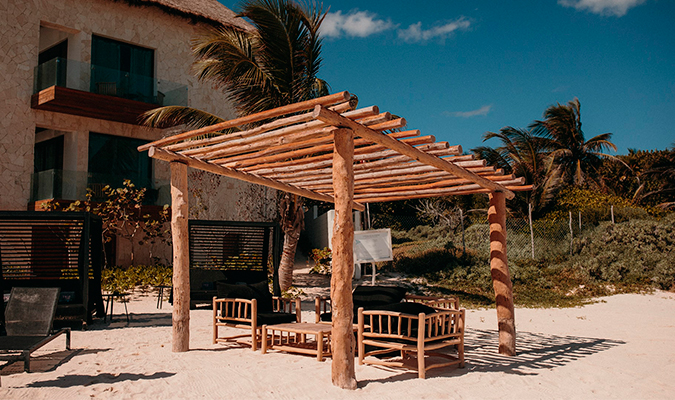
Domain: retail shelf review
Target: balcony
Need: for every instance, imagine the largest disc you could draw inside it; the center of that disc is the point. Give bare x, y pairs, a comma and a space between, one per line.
87, 90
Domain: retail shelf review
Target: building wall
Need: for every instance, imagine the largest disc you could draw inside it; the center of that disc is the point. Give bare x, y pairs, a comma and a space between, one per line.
28, 26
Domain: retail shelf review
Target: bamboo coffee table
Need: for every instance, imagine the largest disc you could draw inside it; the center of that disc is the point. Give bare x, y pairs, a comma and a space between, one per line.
293, 338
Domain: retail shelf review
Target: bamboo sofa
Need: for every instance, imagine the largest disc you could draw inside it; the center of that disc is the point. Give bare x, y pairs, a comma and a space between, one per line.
381, 332
250, 306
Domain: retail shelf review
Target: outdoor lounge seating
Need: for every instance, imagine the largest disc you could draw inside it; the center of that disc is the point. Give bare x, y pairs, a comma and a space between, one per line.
376, 297
410, 328
250, 306
28, 320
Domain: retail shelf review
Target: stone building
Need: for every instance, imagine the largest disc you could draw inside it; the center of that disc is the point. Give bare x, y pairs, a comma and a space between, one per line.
76, 74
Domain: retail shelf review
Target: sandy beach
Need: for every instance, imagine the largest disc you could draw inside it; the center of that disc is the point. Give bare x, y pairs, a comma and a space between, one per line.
622, 347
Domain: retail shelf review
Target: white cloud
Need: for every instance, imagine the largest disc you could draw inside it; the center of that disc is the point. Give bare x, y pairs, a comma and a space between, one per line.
618, 8
355, 24
483, 111
415, 33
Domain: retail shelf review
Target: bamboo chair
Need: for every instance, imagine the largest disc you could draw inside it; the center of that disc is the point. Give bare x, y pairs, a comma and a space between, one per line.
423, 334
323, 305
245, 314
28, 320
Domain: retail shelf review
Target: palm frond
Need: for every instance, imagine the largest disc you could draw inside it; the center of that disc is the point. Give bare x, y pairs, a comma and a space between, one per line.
165, 117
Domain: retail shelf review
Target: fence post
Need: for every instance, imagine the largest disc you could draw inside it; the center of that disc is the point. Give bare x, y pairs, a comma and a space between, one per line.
461, 218
571, 233
529, 213
580, 222
611, 209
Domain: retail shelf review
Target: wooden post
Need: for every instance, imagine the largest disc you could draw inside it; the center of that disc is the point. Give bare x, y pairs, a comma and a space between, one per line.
343, 374
461, 219
529, 214
611, 210
181, 259
571, 234
501, 279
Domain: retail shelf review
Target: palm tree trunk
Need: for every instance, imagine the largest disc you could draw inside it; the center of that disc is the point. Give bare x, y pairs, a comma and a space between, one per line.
288, 258
292, 222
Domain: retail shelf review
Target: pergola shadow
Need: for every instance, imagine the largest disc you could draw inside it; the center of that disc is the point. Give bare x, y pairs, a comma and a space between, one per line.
536, 351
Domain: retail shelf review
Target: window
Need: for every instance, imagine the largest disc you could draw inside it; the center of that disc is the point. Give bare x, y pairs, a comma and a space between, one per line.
47, 180
52, 64
112, 159
122, 69
49, 155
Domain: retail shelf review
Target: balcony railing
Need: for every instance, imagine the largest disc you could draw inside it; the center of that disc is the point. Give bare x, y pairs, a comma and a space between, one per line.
106, 81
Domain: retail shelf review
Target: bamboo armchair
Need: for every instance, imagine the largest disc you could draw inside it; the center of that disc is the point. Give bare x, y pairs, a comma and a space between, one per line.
245, 314
323, 306
423, 334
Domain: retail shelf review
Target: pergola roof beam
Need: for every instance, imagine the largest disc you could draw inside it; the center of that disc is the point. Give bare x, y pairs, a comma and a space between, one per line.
463, 189
278, 155
338, 120
260, 116
234, 140
161, 154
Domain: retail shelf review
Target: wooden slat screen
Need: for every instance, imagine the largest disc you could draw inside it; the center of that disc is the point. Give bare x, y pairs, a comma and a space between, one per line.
54, 249
231, 245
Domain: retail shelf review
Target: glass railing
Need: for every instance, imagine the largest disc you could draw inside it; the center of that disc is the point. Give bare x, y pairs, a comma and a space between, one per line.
73, 185
107, 81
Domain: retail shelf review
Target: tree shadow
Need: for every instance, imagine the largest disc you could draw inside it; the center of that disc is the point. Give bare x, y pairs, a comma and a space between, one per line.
536, 351
106, 378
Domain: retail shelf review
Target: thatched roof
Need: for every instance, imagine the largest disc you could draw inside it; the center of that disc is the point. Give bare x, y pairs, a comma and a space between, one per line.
206, 11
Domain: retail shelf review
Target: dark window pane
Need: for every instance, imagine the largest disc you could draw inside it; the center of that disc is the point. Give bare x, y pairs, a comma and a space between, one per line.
113, 159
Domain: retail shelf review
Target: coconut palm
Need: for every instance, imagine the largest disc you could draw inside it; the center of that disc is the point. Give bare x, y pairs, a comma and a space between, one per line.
523, 154
270, 66
573, 159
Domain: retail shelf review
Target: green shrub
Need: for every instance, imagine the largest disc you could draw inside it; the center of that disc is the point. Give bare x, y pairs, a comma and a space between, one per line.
322, 261
638, 252
119, 279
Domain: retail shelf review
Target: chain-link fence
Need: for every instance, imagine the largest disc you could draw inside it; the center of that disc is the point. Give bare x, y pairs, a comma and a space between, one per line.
525, 238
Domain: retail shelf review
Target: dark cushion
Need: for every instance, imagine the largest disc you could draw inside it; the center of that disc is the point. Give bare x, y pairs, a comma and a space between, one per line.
407, 308
203, 279
233, 291
272, 318
259, 291
373, 296
327, 317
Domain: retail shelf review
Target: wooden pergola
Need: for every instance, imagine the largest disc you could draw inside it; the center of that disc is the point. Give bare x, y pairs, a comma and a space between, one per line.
325, 150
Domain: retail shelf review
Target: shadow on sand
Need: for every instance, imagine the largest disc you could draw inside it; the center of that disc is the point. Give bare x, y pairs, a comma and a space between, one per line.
45, 362
536, 351
87, 380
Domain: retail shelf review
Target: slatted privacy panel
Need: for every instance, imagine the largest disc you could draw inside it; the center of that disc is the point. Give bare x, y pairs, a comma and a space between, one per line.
53, 249
235, 246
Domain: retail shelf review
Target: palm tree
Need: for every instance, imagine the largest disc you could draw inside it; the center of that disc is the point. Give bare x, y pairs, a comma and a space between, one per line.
273, 65
573, 159
523, 154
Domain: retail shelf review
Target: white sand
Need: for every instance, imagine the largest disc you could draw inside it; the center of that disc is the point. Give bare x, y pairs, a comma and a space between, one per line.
620, 348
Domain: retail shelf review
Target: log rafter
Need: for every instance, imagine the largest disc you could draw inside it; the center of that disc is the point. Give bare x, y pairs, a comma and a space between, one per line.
294, 152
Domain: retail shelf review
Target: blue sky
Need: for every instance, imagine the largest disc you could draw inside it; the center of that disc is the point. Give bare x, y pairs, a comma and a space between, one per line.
458, 68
